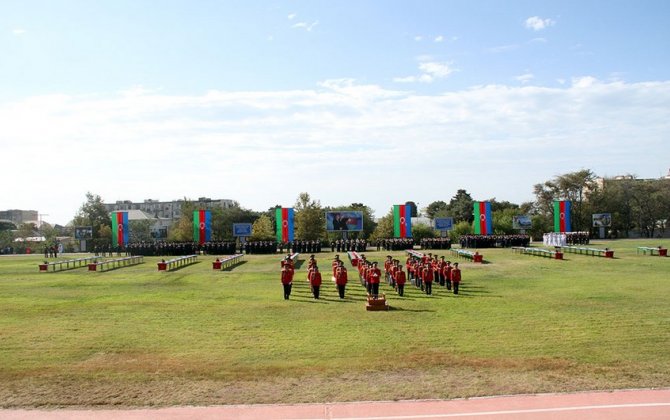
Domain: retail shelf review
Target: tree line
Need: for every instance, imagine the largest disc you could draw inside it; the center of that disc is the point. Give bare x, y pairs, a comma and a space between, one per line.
639, 207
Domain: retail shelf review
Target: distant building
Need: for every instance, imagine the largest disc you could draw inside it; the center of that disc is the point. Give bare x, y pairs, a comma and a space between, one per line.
167, 209
19, 217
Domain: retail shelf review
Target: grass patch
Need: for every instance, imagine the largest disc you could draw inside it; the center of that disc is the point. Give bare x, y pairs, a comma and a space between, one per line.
138, 337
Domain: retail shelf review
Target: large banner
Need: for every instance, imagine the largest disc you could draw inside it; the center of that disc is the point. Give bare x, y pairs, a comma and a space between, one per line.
202, 226
83, 232
483, 222
562, 216
522, 222
284, 217
402, 221
344, 220
602, 220
444, 223
119, 228
241, 229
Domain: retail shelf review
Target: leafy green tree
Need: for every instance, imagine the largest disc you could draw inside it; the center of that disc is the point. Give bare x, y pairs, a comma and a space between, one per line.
140, 230
460, 207
6, 238
310, 218
574, 187
502, 220
420, 232
436, 209
461, 228
93, 213
223, 220
384, 228
261, 230
182, 229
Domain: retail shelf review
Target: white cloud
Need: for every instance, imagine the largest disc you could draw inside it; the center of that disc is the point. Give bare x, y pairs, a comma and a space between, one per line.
584, 82
18, 31
430, 71
536, 23
525, 78
418, 38
291, 16
439, 38
227, 144
306, 26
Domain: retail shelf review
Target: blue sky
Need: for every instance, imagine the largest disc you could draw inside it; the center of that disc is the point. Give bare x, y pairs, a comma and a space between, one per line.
377, 102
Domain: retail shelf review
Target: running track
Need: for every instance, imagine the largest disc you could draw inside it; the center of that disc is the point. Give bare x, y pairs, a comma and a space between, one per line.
616, 405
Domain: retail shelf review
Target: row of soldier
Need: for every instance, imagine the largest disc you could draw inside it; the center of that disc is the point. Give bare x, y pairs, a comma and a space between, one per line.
494, 241
435, 243
577, 238
165, 248
346, 245
395, 244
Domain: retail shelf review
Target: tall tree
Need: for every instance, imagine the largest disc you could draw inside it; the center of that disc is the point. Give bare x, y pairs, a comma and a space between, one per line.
574, 187
310, 219
436, 208
384, 228
261, 230
93, 213
182, 229
460, 207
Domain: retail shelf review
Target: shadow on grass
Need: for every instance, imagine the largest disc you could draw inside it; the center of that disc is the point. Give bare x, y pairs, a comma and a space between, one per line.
396, 308
234, 266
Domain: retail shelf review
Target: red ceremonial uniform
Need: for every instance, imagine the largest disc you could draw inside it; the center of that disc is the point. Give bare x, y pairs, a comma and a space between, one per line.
315, 278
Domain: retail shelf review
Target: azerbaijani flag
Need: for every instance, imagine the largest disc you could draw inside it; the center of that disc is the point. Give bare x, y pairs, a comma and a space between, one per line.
483, 222
284, 217
562, 216
119, 228
202, 226
402, 221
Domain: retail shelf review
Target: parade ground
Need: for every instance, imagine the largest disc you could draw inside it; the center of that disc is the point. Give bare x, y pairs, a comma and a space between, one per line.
523, 324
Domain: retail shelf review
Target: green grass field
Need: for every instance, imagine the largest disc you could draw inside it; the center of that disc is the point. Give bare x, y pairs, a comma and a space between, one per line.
139, 337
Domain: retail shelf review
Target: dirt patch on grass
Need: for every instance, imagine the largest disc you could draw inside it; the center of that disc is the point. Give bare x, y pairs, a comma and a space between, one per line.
441, 381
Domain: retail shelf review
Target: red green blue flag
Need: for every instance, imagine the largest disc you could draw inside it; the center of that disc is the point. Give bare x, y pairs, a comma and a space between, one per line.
483, 222
119, 228
284, 217
202, 226
562, 216
402, 221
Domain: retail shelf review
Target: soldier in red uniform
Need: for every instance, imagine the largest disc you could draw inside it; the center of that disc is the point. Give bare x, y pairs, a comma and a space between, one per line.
446, 271
287, 279
427, 278
455, 277
399, 277
374, 276
315, 281
341, 279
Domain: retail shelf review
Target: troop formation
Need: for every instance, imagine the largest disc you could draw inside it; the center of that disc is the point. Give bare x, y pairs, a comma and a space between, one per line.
423, 269
494, 241
395, 244
345, 245
435, 243
164, 248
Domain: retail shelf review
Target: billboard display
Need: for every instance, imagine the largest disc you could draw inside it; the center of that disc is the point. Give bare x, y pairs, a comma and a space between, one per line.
241, 229
521, 222
602, 220
83, 232
444, 223
337, 221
